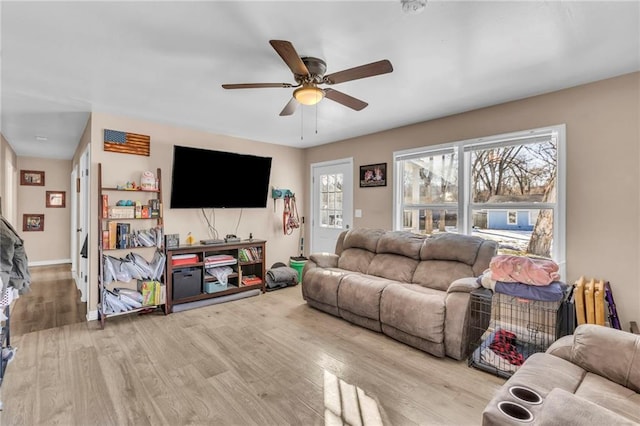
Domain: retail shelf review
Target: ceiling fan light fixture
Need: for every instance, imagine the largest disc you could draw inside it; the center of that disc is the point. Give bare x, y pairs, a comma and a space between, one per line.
413, 7
308, 95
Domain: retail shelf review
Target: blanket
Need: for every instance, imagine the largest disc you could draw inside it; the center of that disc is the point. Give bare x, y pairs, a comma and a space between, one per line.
522, 269
282, 276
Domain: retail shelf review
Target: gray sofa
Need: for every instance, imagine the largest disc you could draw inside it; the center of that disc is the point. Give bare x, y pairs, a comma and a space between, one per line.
589, 378
413, 288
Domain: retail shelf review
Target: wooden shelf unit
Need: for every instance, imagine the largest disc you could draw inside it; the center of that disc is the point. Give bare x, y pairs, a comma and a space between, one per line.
240, 269
139, 195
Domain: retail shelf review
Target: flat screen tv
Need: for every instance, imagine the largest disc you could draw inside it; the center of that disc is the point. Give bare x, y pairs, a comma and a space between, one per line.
203, 178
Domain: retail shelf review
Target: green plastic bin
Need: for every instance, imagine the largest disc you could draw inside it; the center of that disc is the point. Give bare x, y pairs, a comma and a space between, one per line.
298, 263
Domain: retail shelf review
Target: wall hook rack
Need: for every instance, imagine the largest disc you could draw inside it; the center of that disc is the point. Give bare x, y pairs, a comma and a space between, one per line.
280, 193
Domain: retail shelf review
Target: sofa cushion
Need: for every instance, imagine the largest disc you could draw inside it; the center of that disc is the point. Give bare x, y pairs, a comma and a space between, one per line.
355, 259
321, 288
564, 408
404, 243
360, 295
593, 344
414, 310
611, 395
457, 247
393, 267
439, 274
362, 238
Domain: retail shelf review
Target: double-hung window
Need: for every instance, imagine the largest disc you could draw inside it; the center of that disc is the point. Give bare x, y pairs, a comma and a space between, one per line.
508, 188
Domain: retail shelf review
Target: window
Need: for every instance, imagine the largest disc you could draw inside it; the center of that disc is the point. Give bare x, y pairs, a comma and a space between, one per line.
331, 200
480, 186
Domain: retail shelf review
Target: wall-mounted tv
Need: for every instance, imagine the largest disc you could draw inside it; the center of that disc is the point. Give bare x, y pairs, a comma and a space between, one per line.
203, 178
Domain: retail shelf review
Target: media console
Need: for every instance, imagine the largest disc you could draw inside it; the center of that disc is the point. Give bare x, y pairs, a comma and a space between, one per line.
193, 271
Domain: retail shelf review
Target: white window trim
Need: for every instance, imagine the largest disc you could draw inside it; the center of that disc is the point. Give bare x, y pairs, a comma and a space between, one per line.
466, 207
508, 221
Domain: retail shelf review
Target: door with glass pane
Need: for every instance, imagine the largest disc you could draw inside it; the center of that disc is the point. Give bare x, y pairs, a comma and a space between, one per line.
331, 204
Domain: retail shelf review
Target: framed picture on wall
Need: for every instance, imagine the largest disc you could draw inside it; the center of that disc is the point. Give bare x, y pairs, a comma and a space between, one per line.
373, 175
56, 199
31, 178
32, 222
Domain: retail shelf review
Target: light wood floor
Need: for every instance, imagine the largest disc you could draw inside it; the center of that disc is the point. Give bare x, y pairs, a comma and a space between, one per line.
263, 360
53, 301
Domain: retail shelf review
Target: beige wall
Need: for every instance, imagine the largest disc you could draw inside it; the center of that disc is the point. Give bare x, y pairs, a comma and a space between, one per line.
53, 244
603, 182
287, 171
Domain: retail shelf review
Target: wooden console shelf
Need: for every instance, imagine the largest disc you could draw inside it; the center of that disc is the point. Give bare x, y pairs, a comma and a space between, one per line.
192, 280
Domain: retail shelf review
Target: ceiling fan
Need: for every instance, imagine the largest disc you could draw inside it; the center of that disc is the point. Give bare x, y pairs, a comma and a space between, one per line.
309, 72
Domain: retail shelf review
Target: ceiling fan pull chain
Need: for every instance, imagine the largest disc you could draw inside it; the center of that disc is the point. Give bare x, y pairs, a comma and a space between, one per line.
316, 119
301, 124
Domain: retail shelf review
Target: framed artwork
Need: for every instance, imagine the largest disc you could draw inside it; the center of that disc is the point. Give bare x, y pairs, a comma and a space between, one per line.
56, 198
373, 175
31, 178
33, 222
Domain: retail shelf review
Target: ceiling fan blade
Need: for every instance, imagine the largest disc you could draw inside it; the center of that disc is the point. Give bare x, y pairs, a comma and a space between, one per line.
289, 55
290, 108
344, 99
255, 85
363, 71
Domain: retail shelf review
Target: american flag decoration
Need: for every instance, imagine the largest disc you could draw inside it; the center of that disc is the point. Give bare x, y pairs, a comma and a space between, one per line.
126, 143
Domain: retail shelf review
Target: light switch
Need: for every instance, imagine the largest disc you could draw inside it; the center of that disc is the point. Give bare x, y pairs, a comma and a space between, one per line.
358, 213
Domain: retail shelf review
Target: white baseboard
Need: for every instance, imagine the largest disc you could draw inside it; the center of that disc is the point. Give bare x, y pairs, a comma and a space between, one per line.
49, 262
92, 315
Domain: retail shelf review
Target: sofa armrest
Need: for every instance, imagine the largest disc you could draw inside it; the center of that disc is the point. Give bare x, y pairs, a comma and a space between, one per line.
561, 348
463, 285
325, 260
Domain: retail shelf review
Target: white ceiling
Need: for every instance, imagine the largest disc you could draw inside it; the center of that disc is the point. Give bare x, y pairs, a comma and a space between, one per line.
166, 61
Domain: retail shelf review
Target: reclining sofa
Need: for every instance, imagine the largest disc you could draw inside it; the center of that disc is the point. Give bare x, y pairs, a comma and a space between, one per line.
413, 288
589, 378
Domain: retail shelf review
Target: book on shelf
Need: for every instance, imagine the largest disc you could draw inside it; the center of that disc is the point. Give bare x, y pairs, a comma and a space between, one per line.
122, 235
113, 228
105, 206
251, 279
105, 240
250, 254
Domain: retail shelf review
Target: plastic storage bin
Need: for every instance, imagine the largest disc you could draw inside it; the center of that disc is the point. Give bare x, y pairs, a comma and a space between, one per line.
187, 282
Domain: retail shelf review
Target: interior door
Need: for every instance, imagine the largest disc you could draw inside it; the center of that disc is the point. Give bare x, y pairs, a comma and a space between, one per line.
331, 203
74, 226
83, 233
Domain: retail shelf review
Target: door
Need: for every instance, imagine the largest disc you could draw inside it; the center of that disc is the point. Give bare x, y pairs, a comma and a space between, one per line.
331, 203
74, 226
83, 230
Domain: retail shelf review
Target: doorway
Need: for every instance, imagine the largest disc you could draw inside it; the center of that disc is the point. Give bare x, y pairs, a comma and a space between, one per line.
82, 226
331, 203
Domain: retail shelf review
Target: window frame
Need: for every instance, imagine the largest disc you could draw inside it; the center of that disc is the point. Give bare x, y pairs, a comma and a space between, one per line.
465, 206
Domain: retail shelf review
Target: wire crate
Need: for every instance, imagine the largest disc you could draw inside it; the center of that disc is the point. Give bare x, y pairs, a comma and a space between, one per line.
505, 330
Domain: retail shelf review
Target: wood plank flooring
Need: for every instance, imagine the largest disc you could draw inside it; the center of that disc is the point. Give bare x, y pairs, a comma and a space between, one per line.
53, 301
263, 360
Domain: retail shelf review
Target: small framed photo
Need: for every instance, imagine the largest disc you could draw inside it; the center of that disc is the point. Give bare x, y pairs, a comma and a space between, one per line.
171, 240
33, 222
56, 199
373, 175
31, 178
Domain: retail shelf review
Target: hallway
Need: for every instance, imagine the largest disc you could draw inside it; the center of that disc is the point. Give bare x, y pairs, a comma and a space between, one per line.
53, 301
